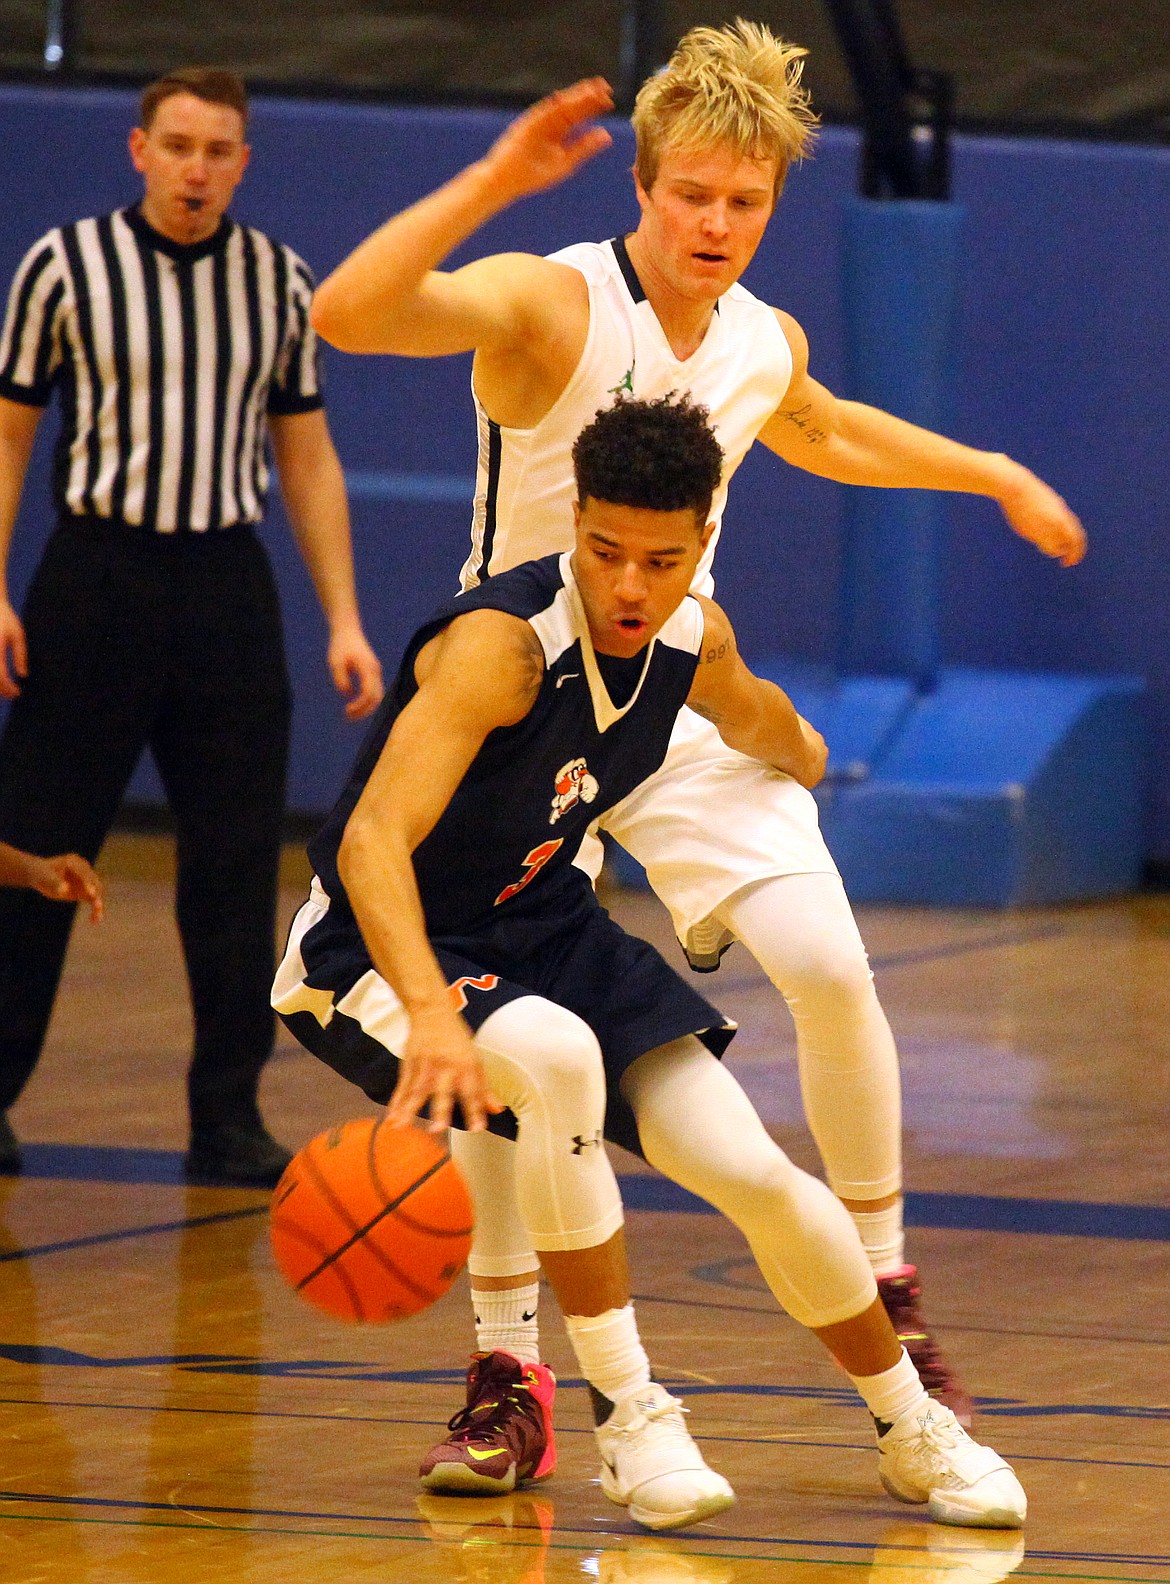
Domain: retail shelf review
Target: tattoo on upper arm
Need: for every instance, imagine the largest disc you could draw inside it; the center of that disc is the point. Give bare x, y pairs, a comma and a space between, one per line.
718, 651
530, 652
801, 418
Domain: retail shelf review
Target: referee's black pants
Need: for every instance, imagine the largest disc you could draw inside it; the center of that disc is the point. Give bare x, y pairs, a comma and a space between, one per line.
171, 641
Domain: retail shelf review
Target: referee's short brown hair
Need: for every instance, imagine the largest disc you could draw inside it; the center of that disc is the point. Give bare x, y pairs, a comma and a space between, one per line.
210, 83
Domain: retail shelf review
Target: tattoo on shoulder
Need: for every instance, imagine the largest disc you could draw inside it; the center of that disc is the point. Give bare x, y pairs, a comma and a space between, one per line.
801, 418
530, 652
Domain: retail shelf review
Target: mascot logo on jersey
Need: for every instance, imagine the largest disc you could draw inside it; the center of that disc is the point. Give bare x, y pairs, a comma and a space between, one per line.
573, 785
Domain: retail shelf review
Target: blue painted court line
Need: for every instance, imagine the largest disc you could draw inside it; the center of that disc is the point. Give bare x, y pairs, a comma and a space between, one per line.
103, 1163
1064, 1218
126, 1234
965, 1212
35, 1355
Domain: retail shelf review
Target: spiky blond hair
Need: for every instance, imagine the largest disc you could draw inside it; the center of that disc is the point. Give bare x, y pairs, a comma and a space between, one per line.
738, 85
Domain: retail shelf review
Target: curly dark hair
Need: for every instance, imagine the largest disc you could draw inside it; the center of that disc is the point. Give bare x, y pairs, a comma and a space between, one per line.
661, 454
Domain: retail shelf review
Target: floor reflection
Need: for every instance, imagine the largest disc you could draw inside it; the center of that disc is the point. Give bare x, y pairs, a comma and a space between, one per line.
36, 1449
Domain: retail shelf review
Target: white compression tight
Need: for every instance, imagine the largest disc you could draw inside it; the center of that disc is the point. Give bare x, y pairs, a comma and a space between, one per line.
700, 1129
800, 929
545, 1064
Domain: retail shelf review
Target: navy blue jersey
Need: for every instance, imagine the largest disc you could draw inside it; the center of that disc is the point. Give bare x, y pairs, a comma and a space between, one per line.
507, 913
505, 844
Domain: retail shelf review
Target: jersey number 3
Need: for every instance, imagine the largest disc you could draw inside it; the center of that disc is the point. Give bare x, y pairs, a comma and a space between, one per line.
534, 863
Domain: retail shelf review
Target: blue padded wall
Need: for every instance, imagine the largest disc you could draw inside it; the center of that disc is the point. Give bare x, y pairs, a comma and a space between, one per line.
900, 290
993, 789
999, 789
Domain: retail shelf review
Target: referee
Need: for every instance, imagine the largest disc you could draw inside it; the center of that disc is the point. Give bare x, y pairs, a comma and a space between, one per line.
178, 343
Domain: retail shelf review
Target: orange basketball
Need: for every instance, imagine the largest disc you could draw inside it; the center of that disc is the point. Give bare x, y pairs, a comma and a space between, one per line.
371, 1222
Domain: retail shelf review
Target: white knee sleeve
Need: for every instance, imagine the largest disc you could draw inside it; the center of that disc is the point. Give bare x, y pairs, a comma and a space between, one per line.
500, 1245
699, 1128
801, 930
545, 1064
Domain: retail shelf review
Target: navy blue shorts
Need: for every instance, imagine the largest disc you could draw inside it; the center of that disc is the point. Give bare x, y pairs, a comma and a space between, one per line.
619, 985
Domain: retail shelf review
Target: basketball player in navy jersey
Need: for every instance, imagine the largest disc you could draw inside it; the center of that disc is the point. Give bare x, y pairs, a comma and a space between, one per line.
556, 338
452, 955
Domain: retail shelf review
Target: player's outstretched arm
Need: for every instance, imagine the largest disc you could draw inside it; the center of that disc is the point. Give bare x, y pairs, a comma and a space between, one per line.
753, 716
856, 444
481, 673
388, 295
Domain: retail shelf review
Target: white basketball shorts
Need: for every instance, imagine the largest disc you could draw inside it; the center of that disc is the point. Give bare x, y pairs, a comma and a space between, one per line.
711, 821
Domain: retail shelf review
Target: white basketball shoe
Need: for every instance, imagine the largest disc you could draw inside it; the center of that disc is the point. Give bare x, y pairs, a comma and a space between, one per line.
927, 1456
650, 1464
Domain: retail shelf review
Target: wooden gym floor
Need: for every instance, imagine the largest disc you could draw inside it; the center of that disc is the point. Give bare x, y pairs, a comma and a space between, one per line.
168, 1410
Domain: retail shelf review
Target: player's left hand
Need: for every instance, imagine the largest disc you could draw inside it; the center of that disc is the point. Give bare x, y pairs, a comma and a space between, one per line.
356, 672
816, 755
1037, 513
69, 878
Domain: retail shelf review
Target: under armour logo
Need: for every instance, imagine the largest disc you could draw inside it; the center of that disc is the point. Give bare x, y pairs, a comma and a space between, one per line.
581, 1142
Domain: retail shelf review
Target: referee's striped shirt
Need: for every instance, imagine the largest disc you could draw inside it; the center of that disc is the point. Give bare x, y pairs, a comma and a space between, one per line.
167, 357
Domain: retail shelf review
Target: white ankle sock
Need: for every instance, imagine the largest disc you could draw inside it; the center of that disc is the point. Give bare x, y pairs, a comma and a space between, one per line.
610, 1352
505, 1322
892, 1393
882, 1237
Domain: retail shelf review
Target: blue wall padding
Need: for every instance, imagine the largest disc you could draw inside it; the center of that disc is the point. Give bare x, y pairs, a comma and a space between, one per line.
901, 279
857, 715
998, 789
1058, 326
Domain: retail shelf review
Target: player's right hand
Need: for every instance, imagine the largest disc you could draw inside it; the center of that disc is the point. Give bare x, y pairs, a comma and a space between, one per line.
13, 651
550, 141
440, 1066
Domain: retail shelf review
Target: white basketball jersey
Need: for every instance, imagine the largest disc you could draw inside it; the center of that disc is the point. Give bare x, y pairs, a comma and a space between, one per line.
524, 488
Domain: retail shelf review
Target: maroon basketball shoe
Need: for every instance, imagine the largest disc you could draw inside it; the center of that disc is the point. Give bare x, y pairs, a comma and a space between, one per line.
504, 1435
899, 1294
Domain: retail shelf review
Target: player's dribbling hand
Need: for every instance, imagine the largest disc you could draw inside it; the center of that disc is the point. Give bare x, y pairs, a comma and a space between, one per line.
69, 878
1037, 513
440, 1065
550, 141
